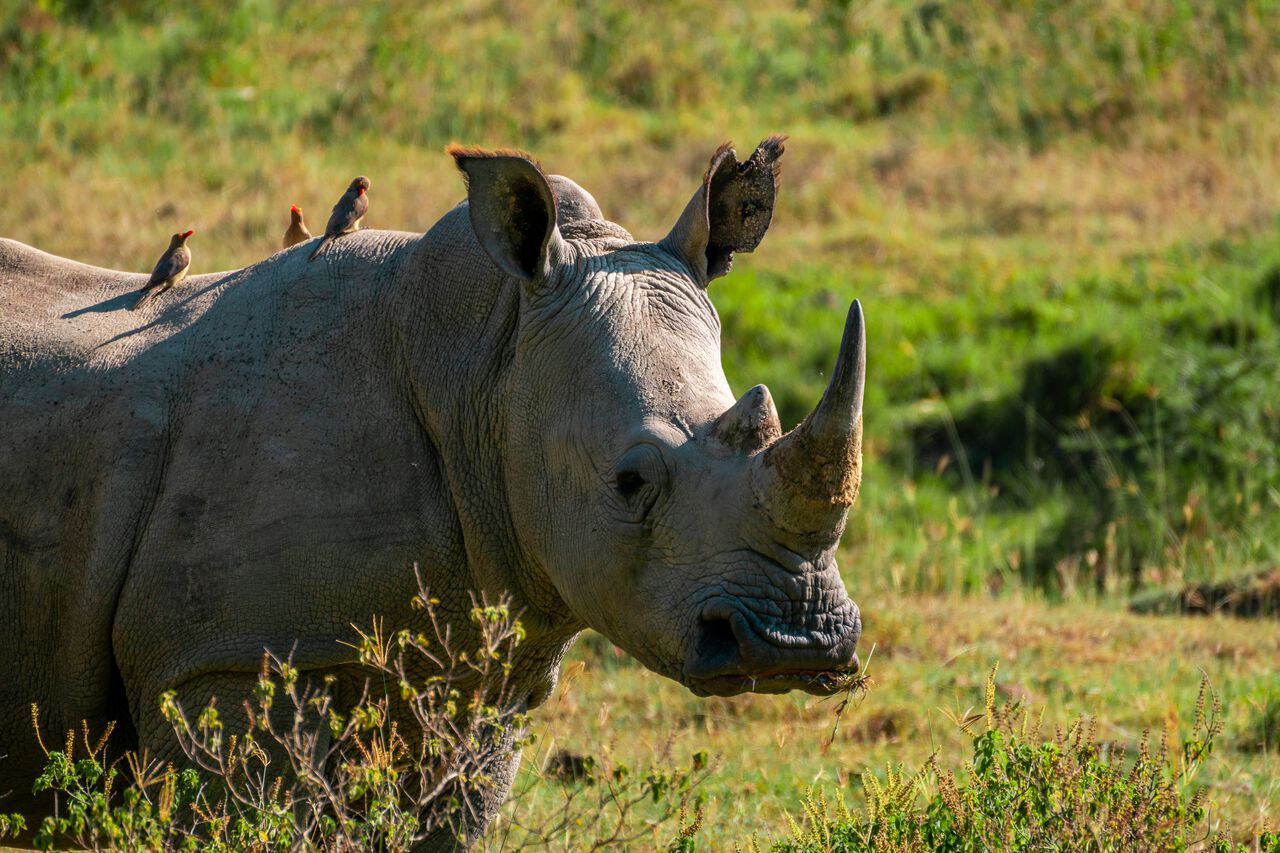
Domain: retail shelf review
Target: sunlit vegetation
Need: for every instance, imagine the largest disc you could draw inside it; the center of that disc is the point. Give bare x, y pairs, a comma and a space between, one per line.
1061, 219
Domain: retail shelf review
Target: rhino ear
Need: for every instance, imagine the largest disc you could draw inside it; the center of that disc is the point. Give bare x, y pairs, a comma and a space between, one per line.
730, 212
513, 210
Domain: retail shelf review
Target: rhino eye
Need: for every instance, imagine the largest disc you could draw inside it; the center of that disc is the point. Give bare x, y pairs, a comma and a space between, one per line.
629, 482
638, 480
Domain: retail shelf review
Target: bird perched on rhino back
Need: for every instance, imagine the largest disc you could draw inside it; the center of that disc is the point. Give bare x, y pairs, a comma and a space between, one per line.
297, 232
346, 214
169, 270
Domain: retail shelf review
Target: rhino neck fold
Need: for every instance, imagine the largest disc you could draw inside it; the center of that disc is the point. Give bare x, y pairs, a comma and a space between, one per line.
457, 345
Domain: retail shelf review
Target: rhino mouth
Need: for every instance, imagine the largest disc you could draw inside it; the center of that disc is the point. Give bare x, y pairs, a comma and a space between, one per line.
815, 683
735, 652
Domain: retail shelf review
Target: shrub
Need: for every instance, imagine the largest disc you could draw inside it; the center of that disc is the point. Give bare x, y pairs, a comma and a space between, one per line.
408, 761
11, 824
1021, 792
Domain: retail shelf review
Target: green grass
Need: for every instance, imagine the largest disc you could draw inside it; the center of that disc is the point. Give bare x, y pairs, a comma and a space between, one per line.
1129, 674
1061, 219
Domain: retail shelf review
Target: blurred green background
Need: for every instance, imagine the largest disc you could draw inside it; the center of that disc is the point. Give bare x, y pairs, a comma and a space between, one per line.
1061, 218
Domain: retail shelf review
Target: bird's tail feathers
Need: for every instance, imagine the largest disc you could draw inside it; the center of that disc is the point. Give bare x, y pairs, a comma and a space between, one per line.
323, 242
146, 297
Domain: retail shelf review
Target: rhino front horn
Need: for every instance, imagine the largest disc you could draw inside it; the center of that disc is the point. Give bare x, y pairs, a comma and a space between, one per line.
810, 476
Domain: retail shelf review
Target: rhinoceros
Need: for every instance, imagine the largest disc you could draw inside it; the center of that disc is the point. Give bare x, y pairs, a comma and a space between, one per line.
525, 400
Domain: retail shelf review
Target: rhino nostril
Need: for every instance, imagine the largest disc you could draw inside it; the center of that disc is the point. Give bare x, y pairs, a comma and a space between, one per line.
717, 644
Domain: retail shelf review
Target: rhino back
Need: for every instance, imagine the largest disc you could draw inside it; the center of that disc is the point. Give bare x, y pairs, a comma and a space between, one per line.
153, 461
298, 487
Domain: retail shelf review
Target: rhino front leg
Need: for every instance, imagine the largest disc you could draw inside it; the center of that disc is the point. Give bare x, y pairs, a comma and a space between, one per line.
464, 831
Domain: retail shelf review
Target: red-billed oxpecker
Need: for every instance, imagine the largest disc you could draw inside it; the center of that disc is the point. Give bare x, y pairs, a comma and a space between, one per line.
297, 232
347, 213
170, 269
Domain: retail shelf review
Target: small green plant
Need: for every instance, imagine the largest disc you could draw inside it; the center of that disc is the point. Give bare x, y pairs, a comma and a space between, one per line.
140, 816
1022, 792
11, 825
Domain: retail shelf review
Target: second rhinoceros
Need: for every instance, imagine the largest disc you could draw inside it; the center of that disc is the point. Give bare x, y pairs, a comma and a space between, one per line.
525, 400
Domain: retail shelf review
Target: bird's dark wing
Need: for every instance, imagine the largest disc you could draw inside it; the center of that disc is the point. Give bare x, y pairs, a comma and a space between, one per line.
346, 213
169, 265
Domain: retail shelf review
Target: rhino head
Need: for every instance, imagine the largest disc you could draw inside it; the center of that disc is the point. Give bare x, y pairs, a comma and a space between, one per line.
678, 522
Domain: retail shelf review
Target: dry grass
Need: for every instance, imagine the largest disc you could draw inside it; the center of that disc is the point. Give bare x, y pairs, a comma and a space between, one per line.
947, 200
116, 139
1130, 673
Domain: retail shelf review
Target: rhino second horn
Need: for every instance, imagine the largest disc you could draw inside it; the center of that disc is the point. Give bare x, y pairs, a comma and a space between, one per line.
812, 474
750, 424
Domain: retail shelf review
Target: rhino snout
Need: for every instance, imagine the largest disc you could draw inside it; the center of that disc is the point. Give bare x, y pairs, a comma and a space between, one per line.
739, 648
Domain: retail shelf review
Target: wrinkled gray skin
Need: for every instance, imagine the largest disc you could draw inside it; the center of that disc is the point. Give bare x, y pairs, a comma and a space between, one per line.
258, 460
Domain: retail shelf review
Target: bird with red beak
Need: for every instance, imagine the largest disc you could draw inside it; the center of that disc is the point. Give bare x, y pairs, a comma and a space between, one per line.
169, 270
347, 213
297, 231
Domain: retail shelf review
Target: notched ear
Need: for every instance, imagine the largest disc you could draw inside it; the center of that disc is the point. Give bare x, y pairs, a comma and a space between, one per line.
730, 212
513, 210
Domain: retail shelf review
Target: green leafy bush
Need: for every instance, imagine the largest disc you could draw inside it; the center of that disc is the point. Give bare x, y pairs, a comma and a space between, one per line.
1022, 792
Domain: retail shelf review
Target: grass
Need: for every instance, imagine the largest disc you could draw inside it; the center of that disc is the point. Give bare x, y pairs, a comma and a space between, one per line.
1062, 219
1134, 679
932, 654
